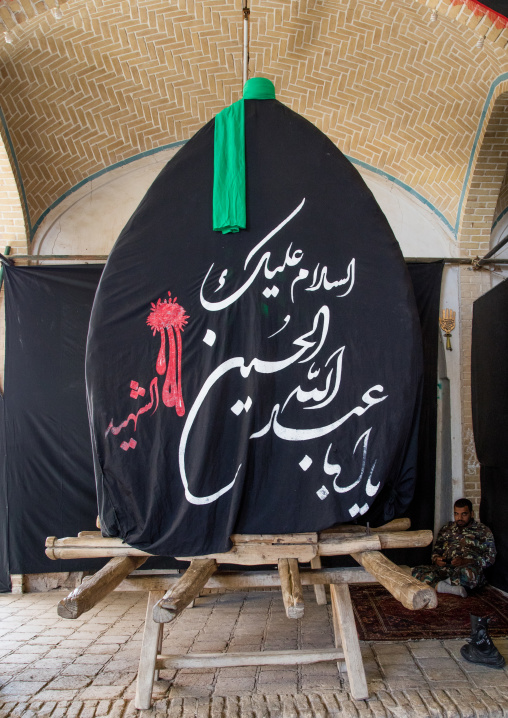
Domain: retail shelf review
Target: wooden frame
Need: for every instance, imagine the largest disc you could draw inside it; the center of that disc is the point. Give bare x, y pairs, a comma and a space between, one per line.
170, 595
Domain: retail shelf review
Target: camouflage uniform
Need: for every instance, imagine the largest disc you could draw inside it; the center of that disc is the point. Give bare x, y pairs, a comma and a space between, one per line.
474, 542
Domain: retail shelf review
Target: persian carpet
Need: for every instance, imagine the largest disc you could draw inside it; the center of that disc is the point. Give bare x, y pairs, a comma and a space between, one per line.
380, 617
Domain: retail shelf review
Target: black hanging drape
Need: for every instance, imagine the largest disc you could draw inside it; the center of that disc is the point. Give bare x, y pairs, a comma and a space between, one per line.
426, 279
499, 6
489, 384
49, 474
5, 583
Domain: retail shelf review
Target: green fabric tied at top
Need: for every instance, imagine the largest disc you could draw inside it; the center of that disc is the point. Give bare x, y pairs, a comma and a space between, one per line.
229, 193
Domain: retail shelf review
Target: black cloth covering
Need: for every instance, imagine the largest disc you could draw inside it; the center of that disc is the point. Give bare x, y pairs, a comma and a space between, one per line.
5, 582
499, 6
49, 470
489, 376
261, 382
489, 385
494, 502
426, 281
31, 342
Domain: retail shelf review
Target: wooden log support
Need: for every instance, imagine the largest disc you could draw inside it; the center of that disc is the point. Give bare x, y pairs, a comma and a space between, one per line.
395, 525
258, 549
319, 589
148, 657
413, 594
169, 595
406, 539
291, 586
187, 588
95, 546
337, 544
97, 587
242, 580
345, 628
249, 550
256, 658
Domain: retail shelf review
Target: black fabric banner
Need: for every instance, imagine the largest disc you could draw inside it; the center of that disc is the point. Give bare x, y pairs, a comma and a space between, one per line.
489, 376
426, 280
489, 389
5, 582
44, 344
499, 6
494, 490
49, 468
261, 382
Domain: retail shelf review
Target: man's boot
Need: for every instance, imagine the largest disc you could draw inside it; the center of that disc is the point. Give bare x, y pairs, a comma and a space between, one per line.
480, 648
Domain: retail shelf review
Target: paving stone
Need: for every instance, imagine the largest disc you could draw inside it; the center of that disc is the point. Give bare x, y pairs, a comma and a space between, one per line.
450, 708
494, 678
101, 692
81, 669
41, 674
102, 708
88, 710
65, 682
80, 672
20, 688
31, 649
234, 686
59, 696
24, 658
74, 709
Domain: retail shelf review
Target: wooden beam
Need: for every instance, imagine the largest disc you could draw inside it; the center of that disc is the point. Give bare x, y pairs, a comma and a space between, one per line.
291, 586
258, 549
241, 580
406, 539
89, 547
97, 587
413, 594
256, 658
337, 544
319, 589
395, 525
344, 620
148, 656
187, 588
247, 550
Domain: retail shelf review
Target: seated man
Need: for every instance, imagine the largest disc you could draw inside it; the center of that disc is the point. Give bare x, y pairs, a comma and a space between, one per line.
463, 549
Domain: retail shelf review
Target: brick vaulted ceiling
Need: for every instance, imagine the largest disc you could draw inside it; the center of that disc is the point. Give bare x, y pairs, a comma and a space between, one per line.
115, 78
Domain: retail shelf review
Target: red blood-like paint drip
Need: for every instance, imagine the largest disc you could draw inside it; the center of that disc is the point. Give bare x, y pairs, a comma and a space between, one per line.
161, 358
168, 316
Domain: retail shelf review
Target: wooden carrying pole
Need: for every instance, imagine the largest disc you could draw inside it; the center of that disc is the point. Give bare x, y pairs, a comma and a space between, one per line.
188, 587
291, 586
413, 594
248, 550
97, 587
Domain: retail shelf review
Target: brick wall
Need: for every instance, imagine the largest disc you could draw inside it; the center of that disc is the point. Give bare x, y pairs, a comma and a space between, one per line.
12, 225
483, 201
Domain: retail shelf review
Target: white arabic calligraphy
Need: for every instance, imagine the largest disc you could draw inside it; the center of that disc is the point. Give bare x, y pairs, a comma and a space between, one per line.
308, 346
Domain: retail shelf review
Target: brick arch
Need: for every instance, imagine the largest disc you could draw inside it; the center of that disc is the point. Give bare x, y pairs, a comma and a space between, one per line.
13, 227
476, 16
487, 179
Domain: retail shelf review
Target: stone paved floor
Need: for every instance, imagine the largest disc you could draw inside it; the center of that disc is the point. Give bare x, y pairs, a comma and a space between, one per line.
86, 668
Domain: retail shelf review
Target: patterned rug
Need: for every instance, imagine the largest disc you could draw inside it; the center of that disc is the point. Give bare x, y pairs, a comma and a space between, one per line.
380, 617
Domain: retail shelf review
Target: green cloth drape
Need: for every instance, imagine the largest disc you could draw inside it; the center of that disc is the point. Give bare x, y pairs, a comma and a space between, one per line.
229, 193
